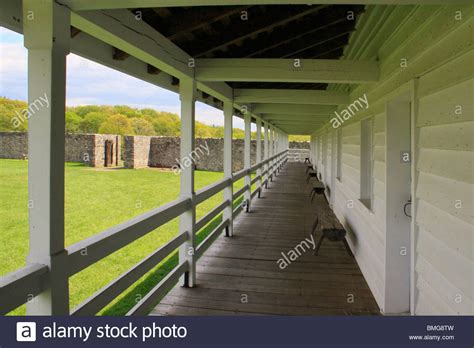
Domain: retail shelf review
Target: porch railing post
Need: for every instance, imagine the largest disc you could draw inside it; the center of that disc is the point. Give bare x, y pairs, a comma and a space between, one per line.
265, 153
228, 191
187, 91
47, 35
258, 157
247, 164
272, 152
278, 150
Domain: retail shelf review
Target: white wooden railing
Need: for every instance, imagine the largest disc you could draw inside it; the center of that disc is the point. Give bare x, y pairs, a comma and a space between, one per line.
18, 287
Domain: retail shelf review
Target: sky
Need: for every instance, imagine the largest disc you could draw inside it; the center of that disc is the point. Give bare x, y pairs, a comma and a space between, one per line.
92, 83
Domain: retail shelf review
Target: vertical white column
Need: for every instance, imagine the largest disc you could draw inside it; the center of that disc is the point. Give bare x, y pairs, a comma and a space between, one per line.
187, 92
272, 152
247, 165
259, 154
277, 150
228, 191
46, 34
266, 152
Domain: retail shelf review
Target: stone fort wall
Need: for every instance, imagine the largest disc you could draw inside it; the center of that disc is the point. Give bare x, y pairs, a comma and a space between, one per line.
138, 151
85, 148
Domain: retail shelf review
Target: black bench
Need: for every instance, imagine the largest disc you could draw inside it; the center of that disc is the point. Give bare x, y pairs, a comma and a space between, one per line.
327, 225
311, 174
318, 189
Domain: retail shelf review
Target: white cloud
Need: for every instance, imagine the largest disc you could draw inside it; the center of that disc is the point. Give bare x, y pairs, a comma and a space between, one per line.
92, 83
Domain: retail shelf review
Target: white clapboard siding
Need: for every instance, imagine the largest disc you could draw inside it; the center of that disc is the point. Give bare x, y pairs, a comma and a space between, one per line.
438, 50
451, 264
451, 296
445, 190
367, 246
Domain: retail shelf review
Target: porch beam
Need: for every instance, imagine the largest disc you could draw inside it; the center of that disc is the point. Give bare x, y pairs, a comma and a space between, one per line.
290, 96
228, 191
114, 4
120, 29
47, 39
187, 220
286, 70
293, 109
277, 117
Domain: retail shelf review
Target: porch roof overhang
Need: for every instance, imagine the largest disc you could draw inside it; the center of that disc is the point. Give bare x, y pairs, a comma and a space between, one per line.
114, 4
280, 64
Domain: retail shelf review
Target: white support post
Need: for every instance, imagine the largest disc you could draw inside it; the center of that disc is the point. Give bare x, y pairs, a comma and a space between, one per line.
247, 164
265, 153
187, 91
47, 35
272, 152
277, 160
228, 191
259, 155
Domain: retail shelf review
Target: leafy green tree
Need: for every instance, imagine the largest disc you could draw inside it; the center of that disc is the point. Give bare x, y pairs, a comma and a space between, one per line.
86, 109
117, 124
11, 118
299, 138
92, 122
126, 110
72, 122
142, 126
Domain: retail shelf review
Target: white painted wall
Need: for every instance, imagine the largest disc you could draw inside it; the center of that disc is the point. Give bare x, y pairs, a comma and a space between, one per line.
436, 43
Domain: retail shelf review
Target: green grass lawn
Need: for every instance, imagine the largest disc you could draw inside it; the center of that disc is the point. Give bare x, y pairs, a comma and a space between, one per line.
95, 200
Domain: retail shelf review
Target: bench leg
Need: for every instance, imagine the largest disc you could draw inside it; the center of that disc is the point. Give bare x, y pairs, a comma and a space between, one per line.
314, 195
227, 234
319, 245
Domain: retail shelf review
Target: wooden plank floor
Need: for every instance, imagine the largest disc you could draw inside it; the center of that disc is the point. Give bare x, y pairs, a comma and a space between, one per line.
240, 275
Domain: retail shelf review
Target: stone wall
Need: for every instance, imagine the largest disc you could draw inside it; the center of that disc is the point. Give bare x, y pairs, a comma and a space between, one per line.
99, 149
137, 151
13, 145
299, 145
79, 148
85, 148
164, 152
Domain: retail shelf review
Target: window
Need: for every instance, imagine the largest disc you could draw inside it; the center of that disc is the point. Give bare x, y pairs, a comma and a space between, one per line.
366, 164
339, 154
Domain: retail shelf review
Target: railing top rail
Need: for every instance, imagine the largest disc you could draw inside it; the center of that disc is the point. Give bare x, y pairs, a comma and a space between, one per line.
16, 287
113, 239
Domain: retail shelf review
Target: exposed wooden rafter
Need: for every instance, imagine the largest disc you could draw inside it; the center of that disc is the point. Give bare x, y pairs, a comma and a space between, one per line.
273, 18
119, 54
152, 70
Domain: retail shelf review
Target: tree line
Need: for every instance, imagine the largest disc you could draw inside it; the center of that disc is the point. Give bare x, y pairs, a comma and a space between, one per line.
118, 119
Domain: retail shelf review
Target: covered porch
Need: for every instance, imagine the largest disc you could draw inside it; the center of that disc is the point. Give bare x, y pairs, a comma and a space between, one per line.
241, 275
384, 89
